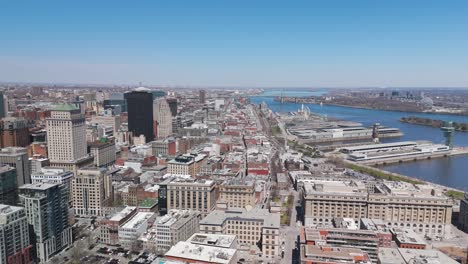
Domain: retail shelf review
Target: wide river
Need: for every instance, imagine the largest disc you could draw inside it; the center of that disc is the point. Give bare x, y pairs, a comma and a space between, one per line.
451, 171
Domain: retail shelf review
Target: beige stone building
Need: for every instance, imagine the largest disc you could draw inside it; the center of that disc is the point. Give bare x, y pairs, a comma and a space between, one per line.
237, 193
252, 227
398, 204
182, 165
190, 194
103, 153
89, 192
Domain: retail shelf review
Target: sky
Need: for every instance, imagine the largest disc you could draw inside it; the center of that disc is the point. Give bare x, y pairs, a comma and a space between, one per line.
242, 43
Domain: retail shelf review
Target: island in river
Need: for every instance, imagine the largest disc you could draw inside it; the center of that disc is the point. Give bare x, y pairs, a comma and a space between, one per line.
463, 127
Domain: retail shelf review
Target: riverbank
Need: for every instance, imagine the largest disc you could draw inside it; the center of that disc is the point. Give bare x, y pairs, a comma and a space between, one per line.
369, 108
462, 127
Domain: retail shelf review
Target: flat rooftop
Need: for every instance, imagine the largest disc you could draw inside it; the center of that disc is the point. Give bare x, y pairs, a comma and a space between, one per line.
217, 240
38, 186
208, 254
122, 214
383, 145
218, 217
137, 220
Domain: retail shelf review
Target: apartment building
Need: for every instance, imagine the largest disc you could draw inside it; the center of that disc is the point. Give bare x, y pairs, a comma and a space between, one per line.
190, 194
175, 226
398, 204
46, 207
55, 176
250, 226
237, 193
15, 246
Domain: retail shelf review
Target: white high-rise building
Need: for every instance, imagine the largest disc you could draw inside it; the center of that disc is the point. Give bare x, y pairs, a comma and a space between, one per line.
162, 117
66, 137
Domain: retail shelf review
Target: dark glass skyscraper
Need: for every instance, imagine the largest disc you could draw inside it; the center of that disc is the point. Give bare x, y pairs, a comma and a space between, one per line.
140, 113
172, 105
2, 105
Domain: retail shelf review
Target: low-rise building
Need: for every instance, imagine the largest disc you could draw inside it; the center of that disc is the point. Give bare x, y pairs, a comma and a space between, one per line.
103, 152
237, 193
252, 227
193, 253
333, 255
175, 226
190, 194
109, 227
130, 231
411, 256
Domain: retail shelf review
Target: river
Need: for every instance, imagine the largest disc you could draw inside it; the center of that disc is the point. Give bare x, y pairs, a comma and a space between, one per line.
451, 171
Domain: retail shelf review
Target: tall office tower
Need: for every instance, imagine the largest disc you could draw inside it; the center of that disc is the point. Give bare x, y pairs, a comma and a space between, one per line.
66, 137
54, 175
2, 105
202, 96
14, 132
18, 158
46, 207
140, 114
89, 192
162, 117
172, 105
15, 246
8, 185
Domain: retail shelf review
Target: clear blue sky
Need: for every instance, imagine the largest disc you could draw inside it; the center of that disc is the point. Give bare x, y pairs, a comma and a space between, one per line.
236, 43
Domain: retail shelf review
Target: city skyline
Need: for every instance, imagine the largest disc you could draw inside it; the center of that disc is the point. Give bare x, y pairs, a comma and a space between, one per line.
241, 44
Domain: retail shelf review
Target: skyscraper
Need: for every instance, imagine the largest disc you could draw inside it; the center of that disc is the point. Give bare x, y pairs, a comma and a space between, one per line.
66, 137
15, 246
202, 96
140, 114
162, 117
172, 105
2, 105
46, 207
18, 158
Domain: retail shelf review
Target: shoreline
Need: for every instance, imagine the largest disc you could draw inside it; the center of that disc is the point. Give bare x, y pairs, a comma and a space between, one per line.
379, 109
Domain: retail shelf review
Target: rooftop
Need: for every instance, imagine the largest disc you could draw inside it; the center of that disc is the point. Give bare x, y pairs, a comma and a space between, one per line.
186, 250
38, 186
218, 217
217, 240
137, 220
122, 214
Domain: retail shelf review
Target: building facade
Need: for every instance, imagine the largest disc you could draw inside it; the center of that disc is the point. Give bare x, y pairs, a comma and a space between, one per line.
254, 227
175, 226
198, 195
15, 246
162, 117
8, 185
14, 132
237, 193
88, 192
17, 157
140, 113
104, 153
46, 207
